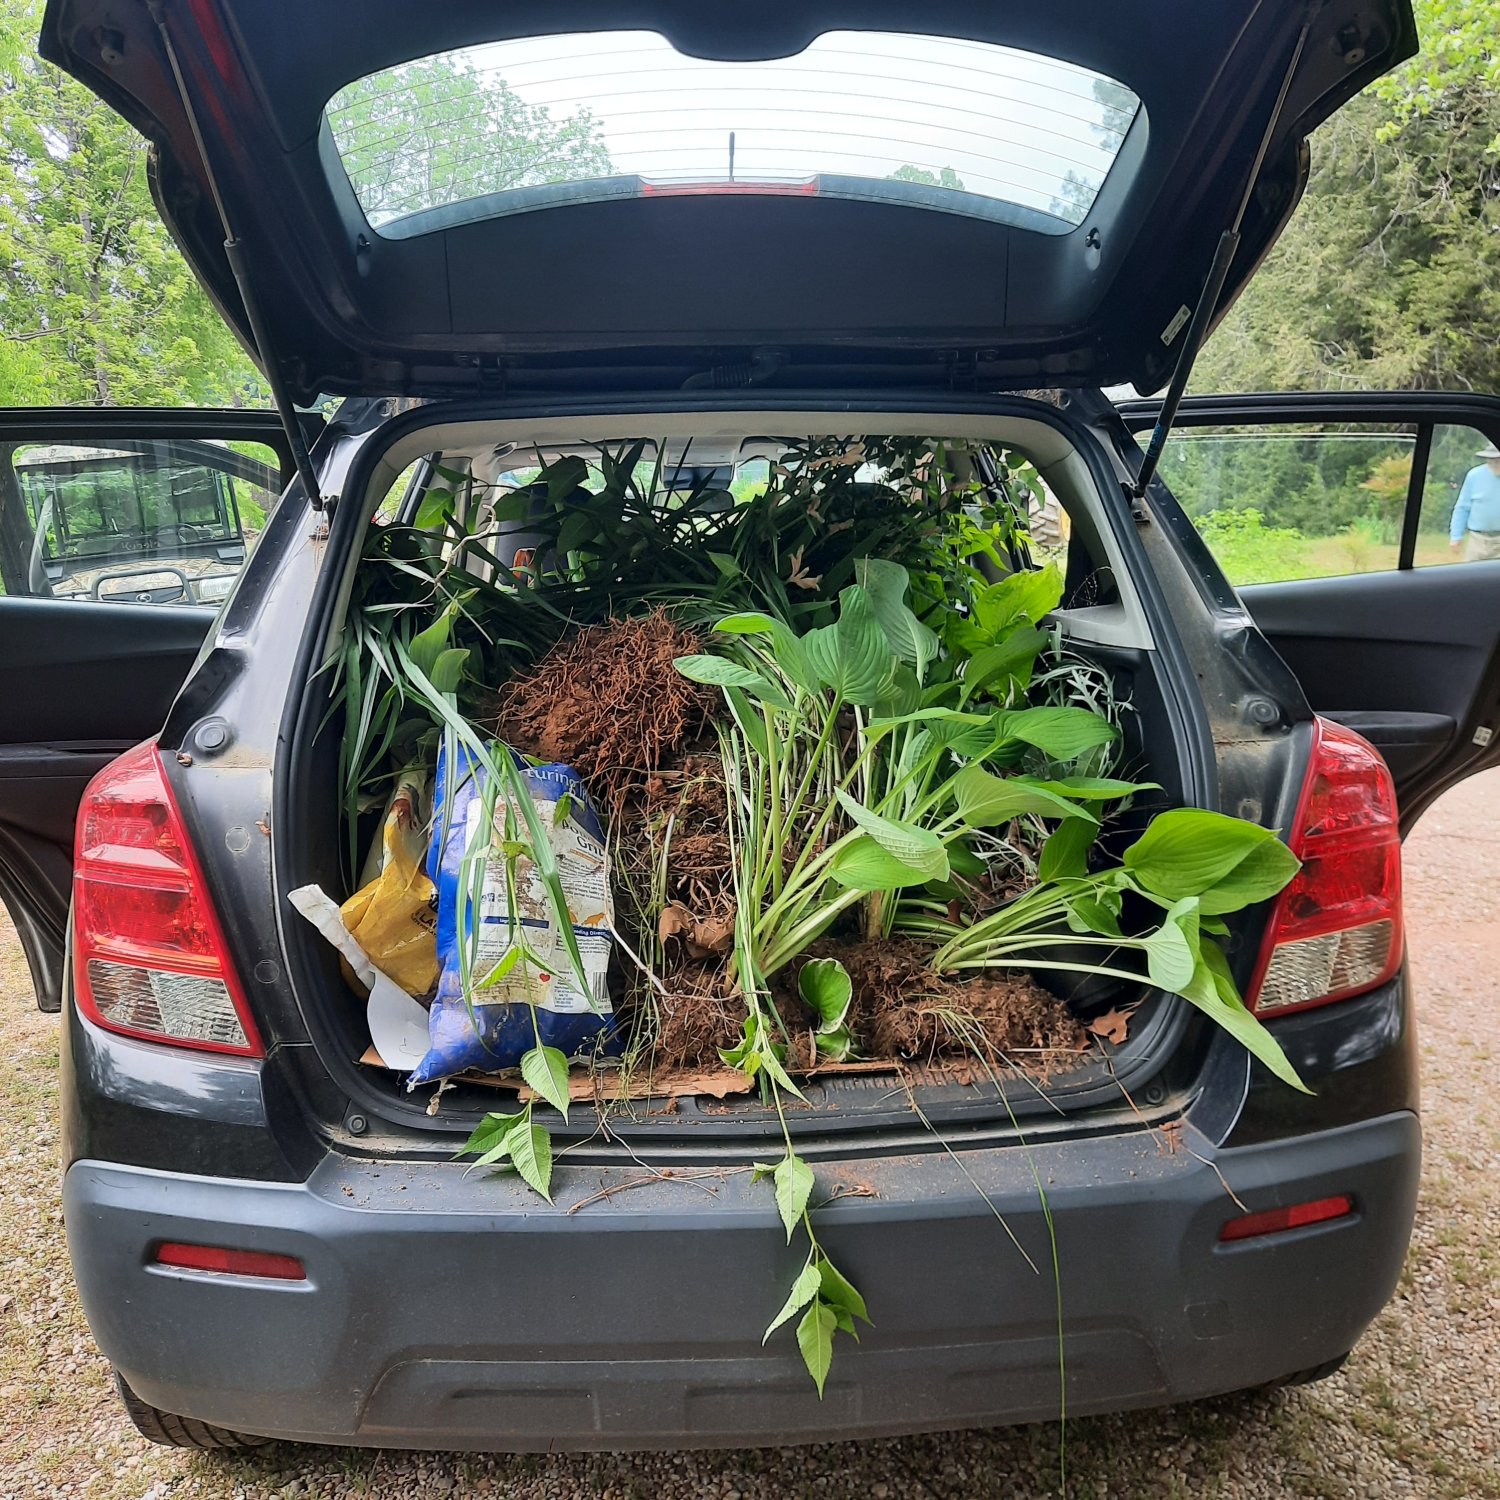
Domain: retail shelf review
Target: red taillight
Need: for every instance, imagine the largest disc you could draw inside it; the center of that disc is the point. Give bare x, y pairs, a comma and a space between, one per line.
148, 953
1296, 1216
224, 1262
1336, 929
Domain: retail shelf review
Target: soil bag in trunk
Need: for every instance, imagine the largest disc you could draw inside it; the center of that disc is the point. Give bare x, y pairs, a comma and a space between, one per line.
536, 999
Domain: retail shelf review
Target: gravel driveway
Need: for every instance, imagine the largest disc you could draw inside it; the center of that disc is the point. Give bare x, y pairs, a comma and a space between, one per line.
1415, 1412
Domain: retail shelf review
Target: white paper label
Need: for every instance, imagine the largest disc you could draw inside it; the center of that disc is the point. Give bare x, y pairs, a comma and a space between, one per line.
584, 872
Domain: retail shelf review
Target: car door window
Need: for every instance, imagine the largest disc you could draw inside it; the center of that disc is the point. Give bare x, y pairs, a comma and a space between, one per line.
1459, 516
1302, 500
127, 521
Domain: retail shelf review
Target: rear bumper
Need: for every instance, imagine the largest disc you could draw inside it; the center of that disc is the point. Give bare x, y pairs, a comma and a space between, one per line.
442, 1310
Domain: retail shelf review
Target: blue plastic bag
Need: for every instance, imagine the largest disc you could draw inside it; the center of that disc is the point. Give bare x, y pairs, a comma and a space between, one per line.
492, 1034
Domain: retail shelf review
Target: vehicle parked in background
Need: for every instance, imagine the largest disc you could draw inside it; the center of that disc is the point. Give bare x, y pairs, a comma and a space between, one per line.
151, 523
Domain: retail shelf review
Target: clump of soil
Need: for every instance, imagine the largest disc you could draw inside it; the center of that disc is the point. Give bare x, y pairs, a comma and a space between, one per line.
697, 1016
608, 701
902, 1009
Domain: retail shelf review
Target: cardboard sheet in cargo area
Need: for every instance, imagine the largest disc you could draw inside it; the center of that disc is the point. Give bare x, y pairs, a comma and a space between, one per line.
612, 1086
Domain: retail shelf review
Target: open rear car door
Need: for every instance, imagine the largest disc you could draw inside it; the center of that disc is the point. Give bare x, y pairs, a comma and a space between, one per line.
121, 533
1362, 534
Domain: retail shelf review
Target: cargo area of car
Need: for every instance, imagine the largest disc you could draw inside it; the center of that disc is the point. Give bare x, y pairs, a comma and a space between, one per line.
1134, 1046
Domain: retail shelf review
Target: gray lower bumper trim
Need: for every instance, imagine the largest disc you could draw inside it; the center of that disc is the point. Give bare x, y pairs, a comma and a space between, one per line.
446, 1310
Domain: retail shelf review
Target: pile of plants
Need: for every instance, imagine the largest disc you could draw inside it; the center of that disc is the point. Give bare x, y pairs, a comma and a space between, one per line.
858, 796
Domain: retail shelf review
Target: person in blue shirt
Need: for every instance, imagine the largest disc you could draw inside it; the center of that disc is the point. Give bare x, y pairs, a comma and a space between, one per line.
1476, 518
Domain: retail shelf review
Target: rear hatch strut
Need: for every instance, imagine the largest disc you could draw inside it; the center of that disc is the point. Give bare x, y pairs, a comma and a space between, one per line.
1208, 299
234, 253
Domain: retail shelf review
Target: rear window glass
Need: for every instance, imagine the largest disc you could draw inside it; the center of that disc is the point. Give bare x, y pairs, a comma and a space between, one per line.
960, 126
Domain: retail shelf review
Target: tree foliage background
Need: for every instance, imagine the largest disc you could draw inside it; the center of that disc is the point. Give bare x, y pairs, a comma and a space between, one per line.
1389, 274
96, 303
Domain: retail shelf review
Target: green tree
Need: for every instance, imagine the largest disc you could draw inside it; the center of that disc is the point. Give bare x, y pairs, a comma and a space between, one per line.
1459, 56
1389, 273
947, 178
440, 130
96, 303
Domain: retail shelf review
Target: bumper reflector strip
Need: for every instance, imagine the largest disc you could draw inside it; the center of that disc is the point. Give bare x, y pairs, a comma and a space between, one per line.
226, 1262
1296, 1216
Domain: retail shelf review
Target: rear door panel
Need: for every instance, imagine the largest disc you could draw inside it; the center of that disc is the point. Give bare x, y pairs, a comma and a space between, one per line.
1401, 657
1407, 652
83, 678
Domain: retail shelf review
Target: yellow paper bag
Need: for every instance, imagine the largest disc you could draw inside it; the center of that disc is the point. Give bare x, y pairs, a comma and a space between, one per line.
394, 916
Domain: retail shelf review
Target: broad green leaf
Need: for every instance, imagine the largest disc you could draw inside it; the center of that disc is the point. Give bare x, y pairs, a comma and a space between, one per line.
826, 988
490, 1132
886, 584
1065, 855
748, 721
427, 645
1093, 914
580, 530
963, 861
1261, 874
904, 695
804, 1289
839, 1293
794, 1185
1029, 595
564, 475
1092, 788
863, 865
448, 669
1191, 851
531, 1151
748, 622
503, 965
435, 503
835, 1044
985, 801
1003, 665
1172, 950
546, 1070
945, 725
1062, 733
786, 645
815, 1340
718, 671
918, 848
743, 1055
851, 655
1212, 990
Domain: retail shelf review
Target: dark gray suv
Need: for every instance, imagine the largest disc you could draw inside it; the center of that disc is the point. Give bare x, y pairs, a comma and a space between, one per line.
774, 217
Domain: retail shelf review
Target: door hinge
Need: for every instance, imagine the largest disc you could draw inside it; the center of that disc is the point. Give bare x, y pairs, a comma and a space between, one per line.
963, 371
492, 376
